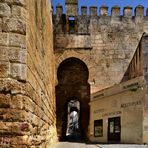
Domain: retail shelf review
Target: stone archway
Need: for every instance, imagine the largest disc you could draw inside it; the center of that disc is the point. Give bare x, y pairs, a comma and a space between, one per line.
72, 77
73, 119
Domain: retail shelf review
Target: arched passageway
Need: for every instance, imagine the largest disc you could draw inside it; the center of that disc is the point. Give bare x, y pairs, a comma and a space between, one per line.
73, 120
72, 98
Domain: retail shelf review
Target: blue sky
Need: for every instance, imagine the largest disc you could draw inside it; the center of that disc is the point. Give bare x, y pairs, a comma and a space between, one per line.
109, 3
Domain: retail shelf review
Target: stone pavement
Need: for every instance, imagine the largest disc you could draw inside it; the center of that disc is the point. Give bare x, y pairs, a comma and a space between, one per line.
83, 145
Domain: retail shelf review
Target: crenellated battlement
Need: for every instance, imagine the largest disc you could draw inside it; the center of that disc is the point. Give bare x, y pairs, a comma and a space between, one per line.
85, 22
104, 11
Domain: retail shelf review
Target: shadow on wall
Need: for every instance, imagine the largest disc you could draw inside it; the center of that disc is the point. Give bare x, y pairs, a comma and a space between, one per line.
72, 98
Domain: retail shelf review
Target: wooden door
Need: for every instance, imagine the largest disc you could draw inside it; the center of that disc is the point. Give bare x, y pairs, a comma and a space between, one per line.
114, 129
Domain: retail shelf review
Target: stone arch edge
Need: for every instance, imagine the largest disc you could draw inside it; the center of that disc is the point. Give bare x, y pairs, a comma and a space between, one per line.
72, 54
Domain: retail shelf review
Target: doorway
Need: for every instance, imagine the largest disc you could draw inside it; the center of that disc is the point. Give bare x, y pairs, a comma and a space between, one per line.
73, 88
73, 121
114, 129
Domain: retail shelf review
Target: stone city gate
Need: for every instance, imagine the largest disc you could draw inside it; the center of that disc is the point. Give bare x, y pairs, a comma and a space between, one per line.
72, 85
105, 43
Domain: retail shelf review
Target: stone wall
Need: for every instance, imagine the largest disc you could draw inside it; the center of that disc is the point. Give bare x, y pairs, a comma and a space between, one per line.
27, 102
14, 128
105, 43
145, 114
135, 68
145, 50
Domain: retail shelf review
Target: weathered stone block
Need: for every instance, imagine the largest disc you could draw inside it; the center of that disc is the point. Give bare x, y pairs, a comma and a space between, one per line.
12, 115
3, 53
4, 127
13, 54
17, 102
84, 10
30, 92
34, 120
29, 105
37, 140
51, 135
15, 2
5, 141
18, 146
103, 11
17, 40
72, 9
93, 11
0, 25
23, 102
18, 12
4, 10
14, 25
127, 12
2, 112
5, 101
20, 140
3, 38
4, 69
17, 55
19, 2
12, 86
15, 128
31, 76
139, 11
18, 71
19, 128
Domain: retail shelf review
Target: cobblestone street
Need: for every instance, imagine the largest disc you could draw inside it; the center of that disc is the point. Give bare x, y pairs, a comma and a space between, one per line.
83, 145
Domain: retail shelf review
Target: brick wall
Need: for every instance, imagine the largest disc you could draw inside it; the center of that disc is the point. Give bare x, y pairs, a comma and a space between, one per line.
27, 102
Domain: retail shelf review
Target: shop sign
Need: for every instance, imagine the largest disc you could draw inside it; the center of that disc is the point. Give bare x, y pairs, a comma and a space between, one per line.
99, 111
131, 85
131, 104
112, 113
98, 96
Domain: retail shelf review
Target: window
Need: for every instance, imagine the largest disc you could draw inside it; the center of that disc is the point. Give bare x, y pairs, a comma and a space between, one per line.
72, 24
98, 128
